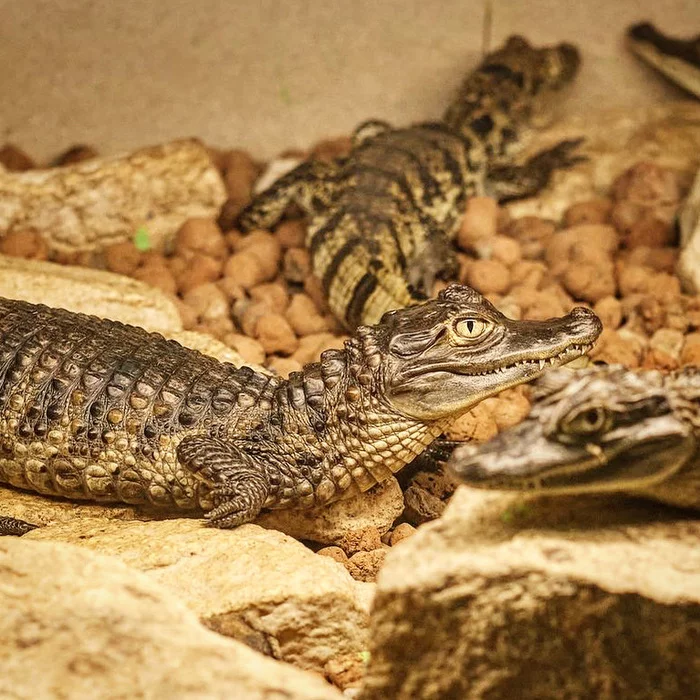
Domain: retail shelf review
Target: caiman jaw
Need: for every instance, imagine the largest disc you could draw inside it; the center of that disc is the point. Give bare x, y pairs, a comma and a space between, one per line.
538, 365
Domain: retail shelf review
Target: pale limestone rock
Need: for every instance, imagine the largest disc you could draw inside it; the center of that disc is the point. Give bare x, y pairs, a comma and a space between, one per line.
95, 203
688, 267
39, 510
88, 291
104, 294
306, 608
79, 625
208, 345
377, 508
582, 597
667, 134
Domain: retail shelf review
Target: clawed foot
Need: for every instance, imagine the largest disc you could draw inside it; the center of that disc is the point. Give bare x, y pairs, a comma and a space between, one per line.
517, 181
236, 503
563, 155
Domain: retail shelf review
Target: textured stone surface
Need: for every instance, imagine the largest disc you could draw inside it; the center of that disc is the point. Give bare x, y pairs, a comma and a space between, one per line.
667, 134
688, 268
89, 205
376, 508
88, 291
211, 346
567, 598
79, 625
104, 294
304, 607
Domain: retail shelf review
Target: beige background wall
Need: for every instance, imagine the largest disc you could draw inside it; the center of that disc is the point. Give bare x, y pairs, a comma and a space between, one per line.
271, 74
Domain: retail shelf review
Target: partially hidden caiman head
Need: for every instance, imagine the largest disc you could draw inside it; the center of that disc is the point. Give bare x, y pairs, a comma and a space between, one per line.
513, 87
594, 430
443, 356
541, 69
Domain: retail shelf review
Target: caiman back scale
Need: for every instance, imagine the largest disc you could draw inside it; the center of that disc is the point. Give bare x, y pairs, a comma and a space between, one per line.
97, 410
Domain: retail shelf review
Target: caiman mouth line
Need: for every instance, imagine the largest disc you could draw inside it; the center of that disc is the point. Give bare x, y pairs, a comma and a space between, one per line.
554, 361
543, 482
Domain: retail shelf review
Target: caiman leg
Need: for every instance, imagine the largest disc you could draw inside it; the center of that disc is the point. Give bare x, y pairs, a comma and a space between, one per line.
310, 185
506, 182
13, 526
239, 486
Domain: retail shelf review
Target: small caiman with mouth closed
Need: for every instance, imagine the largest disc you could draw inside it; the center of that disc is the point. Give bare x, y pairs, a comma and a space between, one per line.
101, 411
599, 430
381, 220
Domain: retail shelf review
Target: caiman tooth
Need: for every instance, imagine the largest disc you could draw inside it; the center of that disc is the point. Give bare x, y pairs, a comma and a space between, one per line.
543, 364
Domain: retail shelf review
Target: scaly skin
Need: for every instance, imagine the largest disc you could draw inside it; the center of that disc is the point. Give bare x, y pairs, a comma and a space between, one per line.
380, 221
97, 410
599, 430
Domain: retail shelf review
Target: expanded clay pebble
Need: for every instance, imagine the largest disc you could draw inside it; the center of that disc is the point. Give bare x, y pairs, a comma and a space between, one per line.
123, 258
24, 244
480, 221
200, 236
15, 159
303, 316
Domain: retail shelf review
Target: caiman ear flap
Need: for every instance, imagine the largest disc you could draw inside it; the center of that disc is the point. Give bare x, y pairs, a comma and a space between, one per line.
407, 344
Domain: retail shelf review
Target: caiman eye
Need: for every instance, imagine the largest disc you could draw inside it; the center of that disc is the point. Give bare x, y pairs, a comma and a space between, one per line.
586, 422
471, 327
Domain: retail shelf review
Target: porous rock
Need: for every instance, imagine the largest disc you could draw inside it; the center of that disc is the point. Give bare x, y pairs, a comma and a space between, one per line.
332, 524
578, 597
88, 291
377, 508
95, 203
306, 608
688, 268
666, 134
80, 625
105, 294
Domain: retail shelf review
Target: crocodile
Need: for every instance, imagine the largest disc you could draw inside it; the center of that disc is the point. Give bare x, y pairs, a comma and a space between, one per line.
677, 59
604, 429
92, 409
381, 220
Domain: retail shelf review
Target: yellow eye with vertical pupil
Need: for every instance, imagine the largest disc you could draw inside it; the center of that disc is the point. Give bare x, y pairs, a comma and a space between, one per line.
470, 327
587, 421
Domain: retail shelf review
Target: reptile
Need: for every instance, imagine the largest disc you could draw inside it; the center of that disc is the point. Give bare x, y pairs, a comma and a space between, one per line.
677, 59
381, 220
603, 429
92, 409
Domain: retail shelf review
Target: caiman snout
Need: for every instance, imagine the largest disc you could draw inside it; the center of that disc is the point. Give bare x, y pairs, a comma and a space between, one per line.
584, 322
465, 464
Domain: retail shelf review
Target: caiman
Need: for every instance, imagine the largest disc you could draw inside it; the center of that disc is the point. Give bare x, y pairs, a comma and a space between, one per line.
598, 430
97, 410
677, 59
381, 220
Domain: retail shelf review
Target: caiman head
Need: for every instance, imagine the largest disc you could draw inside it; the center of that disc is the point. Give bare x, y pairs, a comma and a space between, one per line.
594, 430
515, 84
441, 357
